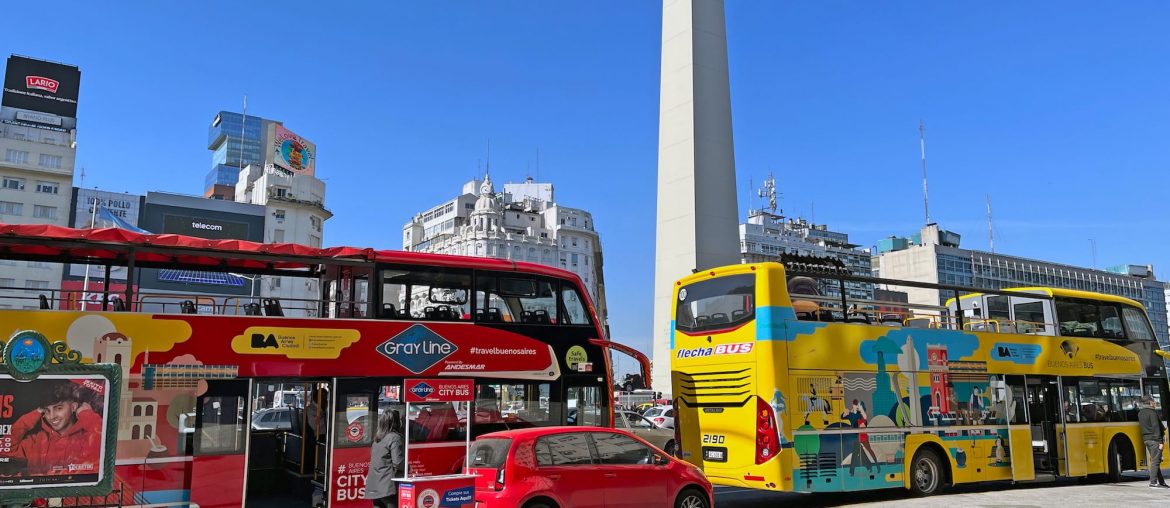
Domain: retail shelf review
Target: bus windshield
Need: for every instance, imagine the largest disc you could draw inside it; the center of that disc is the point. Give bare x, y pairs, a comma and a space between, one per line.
716, 304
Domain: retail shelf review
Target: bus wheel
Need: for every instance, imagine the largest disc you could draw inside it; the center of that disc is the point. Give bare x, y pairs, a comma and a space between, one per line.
926, 473
691, 498
1118, 450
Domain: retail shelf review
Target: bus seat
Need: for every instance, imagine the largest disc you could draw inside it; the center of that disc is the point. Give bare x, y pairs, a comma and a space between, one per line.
188, 307
430, 312
388, 311
858, 318
272, 307
403, 314
44, 302
525, 316
719, 317
494, 315
541, 317
252, 309
737, 314
825, 315
702, 320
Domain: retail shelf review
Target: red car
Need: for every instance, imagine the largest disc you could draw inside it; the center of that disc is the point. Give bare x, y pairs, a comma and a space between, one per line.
581, 467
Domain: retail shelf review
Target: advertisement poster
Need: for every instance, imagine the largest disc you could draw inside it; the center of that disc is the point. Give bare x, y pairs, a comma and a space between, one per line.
52, 431
292, 152
37, 85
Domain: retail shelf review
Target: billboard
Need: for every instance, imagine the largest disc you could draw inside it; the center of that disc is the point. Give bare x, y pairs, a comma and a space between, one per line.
94, 208
204, 227
292, 152
53, 431
37, 85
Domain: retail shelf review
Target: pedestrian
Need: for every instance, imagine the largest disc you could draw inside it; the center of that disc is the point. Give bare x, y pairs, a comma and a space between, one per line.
387, 458
1153, 434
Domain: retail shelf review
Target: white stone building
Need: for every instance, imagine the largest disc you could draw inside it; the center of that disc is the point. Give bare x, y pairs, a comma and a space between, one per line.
295, 213
38, 151
523, 223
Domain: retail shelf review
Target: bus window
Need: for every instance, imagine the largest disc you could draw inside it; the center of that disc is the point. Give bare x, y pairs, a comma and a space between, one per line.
426, 294
574, 307
716, 303
437, 422
1127, 397
221, 425
515, 300
541, 306
1095, 404
1136, 324
512, 403
997, 308
1077, 319
1110, 322
1071, 405
1029, 316
356, 419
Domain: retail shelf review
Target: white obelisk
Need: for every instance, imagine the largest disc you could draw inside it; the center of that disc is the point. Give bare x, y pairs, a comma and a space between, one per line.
697, 226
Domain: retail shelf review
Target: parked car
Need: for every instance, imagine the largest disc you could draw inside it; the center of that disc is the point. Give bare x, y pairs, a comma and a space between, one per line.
645, 429
662, 416
581, 467
280, 418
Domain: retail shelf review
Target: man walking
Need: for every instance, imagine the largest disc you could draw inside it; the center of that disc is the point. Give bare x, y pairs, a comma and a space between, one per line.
1153, 435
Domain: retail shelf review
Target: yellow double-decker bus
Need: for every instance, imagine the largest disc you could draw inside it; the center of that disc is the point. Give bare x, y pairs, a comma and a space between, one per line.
779, 385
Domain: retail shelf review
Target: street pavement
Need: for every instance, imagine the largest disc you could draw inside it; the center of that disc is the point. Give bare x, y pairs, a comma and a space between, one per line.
1063, 493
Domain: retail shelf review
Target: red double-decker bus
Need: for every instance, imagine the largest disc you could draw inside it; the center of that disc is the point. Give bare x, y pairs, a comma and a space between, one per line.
236, 400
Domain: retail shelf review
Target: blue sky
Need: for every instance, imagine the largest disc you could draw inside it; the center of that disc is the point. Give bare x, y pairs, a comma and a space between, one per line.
1059, 110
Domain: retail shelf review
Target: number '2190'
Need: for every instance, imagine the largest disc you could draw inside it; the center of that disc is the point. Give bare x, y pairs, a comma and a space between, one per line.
714, 439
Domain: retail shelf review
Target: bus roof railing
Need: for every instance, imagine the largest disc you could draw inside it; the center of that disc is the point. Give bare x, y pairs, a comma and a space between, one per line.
117, 247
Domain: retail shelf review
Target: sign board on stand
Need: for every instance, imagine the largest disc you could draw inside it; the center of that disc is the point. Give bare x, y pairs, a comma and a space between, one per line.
448, 491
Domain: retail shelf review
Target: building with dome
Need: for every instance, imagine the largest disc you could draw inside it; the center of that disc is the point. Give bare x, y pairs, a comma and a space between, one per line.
522, 223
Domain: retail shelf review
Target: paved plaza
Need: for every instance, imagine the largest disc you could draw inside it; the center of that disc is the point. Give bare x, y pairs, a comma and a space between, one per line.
1065, 493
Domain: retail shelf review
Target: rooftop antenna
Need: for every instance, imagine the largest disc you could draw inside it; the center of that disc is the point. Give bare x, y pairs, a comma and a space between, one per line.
922, 143
751, 187
813, 205
538, 164
769, 191
488, 168
990, 231
81, 184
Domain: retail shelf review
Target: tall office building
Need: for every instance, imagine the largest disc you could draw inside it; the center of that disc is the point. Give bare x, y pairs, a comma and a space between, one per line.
38, 130
933, 255
523, 223
235, 141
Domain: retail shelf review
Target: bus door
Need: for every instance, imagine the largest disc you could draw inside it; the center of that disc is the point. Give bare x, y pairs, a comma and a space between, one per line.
1019, 433
1074, 458
1044, 418
585, 400
218, 469
285, 441
359, 405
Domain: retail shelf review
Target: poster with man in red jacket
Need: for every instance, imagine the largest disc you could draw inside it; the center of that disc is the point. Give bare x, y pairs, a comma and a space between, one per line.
51, 430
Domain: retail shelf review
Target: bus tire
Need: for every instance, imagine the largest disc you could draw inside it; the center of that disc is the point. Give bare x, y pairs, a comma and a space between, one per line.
927, 473
1119, 453
670, 448
691, 497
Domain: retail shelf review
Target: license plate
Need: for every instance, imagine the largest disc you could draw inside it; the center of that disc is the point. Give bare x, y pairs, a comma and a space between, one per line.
715, 454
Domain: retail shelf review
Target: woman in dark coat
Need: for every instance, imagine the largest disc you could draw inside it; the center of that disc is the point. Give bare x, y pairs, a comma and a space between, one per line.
387, 457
